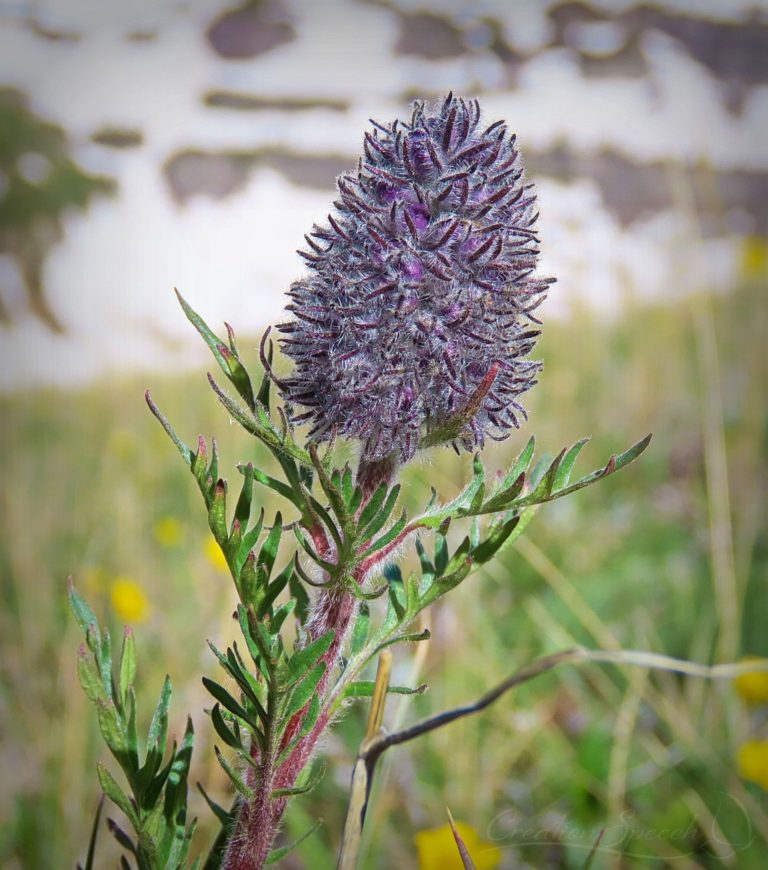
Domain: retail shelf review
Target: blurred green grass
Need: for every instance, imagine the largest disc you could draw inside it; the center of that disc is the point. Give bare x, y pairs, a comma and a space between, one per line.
670, 555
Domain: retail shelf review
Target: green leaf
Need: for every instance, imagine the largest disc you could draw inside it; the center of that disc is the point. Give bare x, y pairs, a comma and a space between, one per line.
113, 791
311, 716
364, 689
263, 395
111, 727
217, 513
248, 685
566, 466
372, 505
458, 558
361, 630
615, 463
244, 415
210, 338
224, 817
245, 628
89, 677
474, 532
130, 730
224, 356
354, 501
478, 471
275, 588
278, 854
300, 596
389, 536
185, 452
276, 485
441, 554
311, 552
400, 638
82, 612
460, 505
397, 599
268, 553
302, 660
229, 703
127, 664
223, 730
304, 785
308, 722
331, 486
279, 616
176, 788
237, 781
383, 515
243, 507
488, 548
347, 484
92, 841
124, 840
237, 374
253, 534
521, 464
315, 508
158, 727
304, 690
104, 661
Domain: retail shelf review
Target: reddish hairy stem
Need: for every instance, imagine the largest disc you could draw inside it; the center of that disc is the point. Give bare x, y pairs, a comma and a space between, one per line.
334, 608
251, 841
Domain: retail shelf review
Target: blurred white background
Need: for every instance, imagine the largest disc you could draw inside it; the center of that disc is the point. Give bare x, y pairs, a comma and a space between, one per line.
221, 128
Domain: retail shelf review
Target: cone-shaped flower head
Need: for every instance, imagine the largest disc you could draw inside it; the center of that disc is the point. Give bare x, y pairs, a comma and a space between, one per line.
413, 324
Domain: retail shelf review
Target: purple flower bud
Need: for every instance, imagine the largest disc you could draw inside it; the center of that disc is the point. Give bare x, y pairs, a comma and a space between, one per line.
415, 315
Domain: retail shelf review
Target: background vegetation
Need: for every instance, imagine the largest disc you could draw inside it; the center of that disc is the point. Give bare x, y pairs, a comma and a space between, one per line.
670, 556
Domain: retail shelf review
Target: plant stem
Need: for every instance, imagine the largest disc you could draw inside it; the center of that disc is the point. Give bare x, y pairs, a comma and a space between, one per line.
334, 609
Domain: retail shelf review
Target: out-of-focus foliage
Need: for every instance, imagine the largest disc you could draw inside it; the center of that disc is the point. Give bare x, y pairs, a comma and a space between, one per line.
630, 563
40, 181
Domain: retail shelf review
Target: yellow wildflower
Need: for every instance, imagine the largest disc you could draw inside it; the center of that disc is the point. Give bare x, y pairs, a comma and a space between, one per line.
753, 687
215, 556
754, 258
168, 532
752, 761
438, 851
128, 600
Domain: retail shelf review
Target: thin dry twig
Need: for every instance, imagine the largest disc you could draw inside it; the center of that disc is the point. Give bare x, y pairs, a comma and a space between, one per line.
376, 741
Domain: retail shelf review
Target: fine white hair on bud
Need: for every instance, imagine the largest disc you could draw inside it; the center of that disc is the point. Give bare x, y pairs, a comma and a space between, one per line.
416, 317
